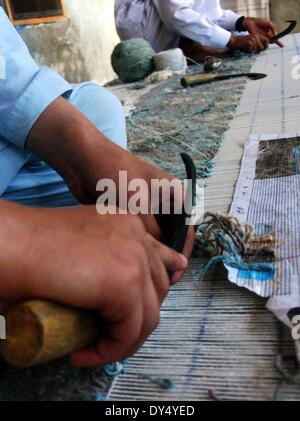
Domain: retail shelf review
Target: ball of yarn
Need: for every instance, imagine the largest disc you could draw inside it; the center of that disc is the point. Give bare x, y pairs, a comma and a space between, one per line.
173, 59
132, 60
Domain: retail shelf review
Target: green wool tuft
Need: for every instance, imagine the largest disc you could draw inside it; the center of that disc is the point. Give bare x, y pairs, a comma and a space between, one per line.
132, 60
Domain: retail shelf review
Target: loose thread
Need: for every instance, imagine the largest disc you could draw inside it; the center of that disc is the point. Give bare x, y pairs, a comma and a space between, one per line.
226, 238
166, 384
115, 369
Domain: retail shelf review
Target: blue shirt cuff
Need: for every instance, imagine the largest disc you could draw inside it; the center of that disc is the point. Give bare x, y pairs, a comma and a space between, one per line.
45, 88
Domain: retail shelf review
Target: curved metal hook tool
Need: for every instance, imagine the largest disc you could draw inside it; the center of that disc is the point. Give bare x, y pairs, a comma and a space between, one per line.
282, 34
179, 235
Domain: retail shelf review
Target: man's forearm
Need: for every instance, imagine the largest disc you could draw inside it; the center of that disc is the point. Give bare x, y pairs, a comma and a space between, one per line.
28, 237
80, 153
17, 226
61, 137
65, 139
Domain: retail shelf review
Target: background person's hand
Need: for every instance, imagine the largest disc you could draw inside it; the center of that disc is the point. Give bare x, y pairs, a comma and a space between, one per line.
262, 27
253, 43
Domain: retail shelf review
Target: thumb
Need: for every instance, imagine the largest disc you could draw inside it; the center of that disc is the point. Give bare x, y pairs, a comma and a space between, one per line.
172, 260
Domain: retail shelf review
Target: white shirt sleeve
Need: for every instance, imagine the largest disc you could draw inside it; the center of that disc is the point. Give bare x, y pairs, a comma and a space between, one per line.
179, 17
228, 20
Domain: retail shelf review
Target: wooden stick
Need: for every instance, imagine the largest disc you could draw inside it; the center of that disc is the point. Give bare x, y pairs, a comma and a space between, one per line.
198, 79
38, 331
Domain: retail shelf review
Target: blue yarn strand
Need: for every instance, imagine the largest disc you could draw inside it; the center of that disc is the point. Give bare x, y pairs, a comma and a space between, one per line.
233, 260
166, 384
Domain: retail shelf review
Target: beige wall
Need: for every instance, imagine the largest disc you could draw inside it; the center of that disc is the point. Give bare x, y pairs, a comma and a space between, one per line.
80, 47
281, 11
248, 7
278, 10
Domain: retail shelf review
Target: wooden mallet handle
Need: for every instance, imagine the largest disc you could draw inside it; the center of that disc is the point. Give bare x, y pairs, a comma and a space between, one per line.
198, 79
38, 331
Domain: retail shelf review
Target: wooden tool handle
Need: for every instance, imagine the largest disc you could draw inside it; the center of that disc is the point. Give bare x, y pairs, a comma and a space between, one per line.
38, 331
197, 79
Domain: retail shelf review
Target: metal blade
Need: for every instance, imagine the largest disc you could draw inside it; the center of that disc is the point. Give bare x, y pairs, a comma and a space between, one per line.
179, 235
252, 76
257, 76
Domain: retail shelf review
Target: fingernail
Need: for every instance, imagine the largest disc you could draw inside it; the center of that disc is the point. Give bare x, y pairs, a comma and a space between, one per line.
184, 260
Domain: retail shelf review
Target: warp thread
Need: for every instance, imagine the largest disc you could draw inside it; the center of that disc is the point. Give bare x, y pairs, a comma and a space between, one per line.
173, 59
227, 239
180, 114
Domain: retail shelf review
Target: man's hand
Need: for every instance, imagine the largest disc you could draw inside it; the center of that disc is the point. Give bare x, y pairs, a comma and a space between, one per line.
109, 264
261, 27
82, 155
253, 43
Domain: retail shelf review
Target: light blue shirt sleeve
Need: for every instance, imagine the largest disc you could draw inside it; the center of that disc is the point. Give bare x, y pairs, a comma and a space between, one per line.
25, 89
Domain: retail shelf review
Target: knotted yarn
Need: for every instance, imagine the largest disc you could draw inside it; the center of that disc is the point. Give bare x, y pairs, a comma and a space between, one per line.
228, 240
173, 59
133, 59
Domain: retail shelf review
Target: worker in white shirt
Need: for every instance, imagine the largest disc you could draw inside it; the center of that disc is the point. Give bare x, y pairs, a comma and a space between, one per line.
199, 27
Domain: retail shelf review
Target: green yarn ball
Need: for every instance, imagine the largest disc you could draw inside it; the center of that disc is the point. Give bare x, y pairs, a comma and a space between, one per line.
132, 60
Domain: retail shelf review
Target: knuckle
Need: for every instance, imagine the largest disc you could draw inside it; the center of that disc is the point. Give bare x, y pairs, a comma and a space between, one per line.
151, 240
134, 222
133, 269
134, 274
